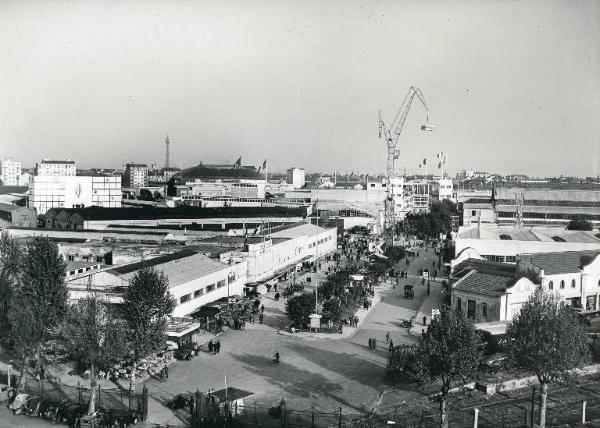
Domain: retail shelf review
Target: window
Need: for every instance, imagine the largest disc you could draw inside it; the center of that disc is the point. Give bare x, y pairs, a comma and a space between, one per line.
184, 298
231, 277
210, 288
221, 283
473, 213
562, 284
198, 293
551, 285
458, 304
71, 258
99, 259
372, 184
572, 283
471, 308
484, 310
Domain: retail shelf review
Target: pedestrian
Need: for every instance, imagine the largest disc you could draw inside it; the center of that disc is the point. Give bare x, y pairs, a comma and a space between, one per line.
192, 406
424, 320
275, 288
428, 290
370, 343
355, 321
262, 308
374, 343
260, 318
387, 337
210, 346
161, 373
42, 373
166, 372
391, 348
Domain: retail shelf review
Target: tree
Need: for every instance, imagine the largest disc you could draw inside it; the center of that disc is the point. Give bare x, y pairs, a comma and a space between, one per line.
94, 335
10, 257
146, 195
579, 223
147, 304
171, 187
42, 297
332, 310
448, 352
298, 309
547, 339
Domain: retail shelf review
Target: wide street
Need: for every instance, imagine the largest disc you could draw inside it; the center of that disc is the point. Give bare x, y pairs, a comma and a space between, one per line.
325, 372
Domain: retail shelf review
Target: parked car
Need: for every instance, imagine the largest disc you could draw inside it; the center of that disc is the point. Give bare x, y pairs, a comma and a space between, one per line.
118, 417
32, 406
17, 404
47, 407
53, 410
71, 413
409, 292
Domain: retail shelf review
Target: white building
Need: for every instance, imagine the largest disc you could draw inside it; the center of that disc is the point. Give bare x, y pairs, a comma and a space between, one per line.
446, 189
297, 177
49, 167
52, 191
10, 173
246, 188
194, 280
409, 196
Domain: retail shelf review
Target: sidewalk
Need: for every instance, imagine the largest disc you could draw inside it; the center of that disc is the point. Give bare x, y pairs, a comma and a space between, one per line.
433, 301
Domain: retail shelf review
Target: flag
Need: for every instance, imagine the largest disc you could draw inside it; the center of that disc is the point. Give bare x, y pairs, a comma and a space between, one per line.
420, 165
439, 165
238, 163
397, 154
264, 165
425, 161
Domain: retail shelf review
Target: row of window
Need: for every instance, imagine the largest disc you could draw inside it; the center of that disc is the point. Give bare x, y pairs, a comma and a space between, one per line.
201, 291
321, 241
562, 284
502, 259
472, 308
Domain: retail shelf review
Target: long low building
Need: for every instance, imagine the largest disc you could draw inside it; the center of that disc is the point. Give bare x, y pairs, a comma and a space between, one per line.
503, 244
194, 279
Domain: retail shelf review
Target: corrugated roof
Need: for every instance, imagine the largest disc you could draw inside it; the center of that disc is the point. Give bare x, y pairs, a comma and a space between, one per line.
561, 262
484, 283
179, 270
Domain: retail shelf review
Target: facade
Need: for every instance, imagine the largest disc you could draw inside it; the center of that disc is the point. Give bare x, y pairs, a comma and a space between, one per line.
409, 196
135, 175
446, 189
52, 191
194, 280
249, 189
10, 173
16, 216
49, 167
297, 177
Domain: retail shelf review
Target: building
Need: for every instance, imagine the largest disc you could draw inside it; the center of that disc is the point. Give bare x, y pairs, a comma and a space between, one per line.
297, 177
504, 243
70, 191
254, 189
409, 196
49, 167
10, 173
14, 215
541, 207
135, 175
490, 291
446, 190
194, 280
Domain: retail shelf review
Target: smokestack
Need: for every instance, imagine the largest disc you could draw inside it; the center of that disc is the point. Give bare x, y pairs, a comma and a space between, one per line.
167, 144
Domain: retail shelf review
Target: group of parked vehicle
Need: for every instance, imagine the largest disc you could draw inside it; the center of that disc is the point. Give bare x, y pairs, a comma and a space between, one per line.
67, 411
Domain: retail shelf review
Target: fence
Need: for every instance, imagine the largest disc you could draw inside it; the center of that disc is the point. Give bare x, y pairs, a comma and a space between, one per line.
108, 398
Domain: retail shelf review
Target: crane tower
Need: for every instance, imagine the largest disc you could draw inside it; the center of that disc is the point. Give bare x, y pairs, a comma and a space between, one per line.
391, 135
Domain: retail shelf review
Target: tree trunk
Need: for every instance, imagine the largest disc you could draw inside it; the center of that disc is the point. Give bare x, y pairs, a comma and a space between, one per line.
543, 397
444, 411
92, 406
21, 382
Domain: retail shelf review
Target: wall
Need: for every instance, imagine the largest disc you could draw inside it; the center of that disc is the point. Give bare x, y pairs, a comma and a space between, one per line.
501, 247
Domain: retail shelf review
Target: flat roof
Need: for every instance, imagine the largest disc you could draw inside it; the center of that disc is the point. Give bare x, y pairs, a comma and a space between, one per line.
545, 234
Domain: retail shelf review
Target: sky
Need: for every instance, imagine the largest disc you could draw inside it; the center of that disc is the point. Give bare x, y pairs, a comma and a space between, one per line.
512, 86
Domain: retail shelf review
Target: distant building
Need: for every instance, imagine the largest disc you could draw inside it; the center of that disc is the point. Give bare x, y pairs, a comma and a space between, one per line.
249, 189
49, 192
409, 196
446, 190
14, 215
135, 175
297, 177
10, 173
49, 167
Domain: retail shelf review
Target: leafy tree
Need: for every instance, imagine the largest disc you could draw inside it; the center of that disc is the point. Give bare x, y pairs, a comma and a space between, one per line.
10, 257
147, 305
298, 309
547, 339
579, 223
94, 335
448, 352
42, 301
171, 188
146, 195
332, 310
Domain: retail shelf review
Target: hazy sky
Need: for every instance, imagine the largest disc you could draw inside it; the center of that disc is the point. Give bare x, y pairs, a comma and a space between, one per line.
512, 86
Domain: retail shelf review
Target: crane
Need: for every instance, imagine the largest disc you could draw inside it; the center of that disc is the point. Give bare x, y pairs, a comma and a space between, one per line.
392, 134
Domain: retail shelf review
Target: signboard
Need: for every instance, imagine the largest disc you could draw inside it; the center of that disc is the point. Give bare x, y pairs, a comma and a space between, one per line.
435, 313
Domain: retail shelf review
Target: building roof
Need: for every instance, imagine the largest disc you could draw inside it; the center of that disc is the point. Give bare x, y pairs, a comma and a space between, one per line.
546, 234
136, 165
4, 190
55, 161
8, 207
488, 284
218, 171
561, 262
296, 230
181, 212
179, 268
486, 266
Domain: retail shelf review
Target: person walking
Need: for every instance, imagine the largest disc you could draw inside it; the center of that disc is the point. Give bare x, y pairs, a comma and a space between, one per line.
262, 308
166, 372
260, 318
210, 346
218, 346
391, 348
424, 320
370, 343
387, 337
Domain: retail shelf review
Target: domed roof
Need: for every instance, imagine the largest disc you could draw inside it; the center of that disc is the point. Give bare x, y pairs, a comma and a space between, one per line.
214, 172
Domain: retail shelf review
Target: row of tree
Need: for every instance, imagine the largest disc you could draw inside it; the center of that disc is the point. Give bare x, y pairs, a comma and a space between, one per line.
431, 224
96, 334
546, 339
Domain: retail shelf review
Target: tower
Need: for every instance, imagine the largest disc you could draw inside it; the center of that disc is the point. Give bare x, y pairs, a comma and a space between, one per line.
167, 144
